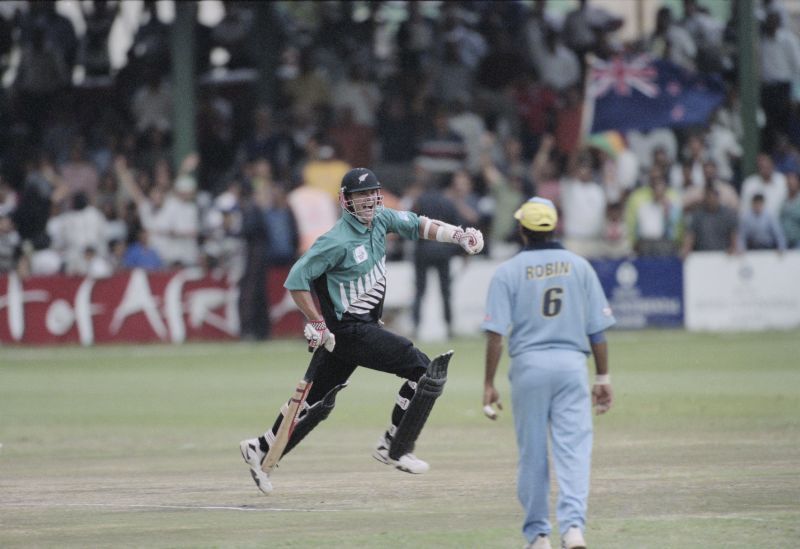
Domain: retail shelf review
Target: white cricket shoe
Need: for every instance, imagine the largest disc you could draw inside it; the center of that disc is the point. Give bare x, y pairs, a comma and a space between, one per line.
254, 456
541, 542
573, 539
408, 463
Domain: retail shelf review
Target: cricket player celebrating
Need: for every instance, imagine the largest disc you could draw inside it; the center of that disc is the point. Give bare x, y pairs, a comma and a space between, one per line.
552, 303
346, 267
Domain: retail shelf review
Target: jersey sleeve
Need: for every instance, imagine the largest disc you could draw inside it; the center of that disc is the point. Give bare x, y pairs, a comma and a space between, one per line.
498, 306
598, 315
404, 223
321, 257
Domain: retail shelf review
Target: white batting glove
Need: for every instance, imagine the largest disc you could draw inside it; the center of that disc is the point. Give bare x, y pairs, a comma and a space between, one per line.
471, 240
317, 333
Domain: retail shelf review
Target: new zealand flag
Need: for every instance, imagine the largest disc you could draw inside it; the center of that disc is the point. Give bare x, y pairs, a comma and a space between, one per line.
644, 93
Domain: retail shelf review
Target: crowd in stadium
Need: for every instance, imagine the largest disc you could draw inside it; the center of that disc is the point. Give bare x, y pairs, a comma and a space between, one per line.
479, 102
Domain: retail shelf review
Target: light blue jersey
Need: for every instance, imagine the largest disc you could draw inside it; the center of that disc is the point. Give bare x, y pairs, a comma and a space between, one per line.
551, 296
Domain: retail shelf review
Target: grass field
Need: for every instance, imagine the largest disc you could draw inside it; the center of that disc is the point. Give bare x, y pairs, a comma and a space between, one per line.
137, 446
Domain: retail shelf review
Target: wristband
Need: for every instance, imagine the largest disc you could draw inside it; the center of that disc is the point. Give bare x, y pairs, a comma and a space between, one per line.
319, 325
426, 229
602, 379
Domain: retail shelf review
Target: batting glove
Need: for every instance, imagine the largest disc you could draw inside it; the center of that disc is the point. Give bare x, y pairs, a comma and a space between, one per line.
471, 240
317, 333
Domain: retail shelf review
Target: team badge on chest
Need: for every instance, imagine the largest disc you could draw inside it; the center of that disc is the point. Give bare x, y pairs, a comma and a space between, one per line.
360, 254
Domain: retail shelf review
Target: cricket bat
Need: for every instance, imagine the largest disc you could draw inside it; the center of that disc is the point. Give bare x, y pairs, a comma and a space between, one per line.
290, 412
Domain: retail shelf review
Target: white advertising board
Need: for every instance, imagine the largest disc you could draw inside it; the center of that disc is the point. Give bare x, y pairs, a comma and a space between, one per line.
470, 284
746, 292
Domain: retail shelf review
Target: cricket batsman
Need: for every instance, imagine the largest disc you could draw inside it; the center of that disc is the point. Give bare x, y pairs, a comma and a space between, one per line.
346, 269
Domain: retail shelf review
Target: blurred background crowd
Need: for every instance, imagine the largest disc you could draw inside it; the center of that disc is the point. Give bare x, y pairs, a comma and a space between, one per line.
463, 109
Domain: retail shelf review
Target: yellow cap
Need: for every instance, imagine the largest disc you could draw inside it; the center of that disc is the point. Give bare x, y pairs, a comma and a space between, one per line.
537, 214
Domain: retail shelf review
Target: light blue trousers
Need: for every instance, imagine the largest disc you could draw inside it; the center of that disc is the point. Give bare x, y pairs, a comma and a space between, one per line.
550, 397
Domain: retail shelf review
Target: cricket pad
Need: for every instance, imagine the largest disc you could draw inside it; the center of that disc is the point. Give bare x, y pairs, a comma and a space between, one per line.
313, 416
429, 387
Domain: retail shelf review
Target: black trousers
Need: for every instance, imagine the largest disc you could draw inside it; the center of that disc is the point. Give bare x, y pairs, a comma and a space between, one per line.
442, 265
369, 345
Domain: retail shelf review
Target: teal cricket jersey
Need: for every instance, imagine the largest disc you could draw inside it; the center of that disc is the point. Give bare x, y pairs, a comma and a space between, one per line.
347, 265
548, 298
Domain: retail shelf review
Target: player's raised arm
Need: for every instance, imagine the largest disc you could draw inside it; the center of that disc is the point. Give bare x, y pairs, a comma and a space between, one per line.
470, 239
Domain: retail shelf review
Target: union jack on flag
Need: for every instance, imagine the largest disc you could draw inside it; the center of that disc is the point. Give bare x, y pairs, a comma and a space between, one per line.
642, 93
623, 76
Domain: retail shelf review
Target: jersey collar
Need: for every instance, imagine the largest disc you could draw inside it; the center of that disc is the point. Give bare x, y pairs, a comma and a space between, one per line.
549, 245
355, 223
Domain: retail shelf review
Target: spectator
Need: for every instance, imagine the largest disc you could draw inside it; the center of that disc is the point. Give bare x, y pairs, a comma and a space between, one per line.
790, 213
495, 78
397, 129
78, 174
265, 141
583, 203
171, 218
507, 194
461, 192
557, 65
451, 79
95, 265
780, 64
141, 255
712, 227
223, 247
314, 211
8, 197
9, 243
354, 140
725, 136
694, 154
657, 221
441, 150
283, 238
416, 38
152, 104
707, 33
786, 157
429, 254
759, 230
253, 304
672, 42
360, 94
41, 78
535, 105
151, 41
79, 235
765, 181
234, 33
94, 44
692, 195
40, 192
469, 125
583, 26
568, 115
323, 169
546, 175
310, 88
616, 242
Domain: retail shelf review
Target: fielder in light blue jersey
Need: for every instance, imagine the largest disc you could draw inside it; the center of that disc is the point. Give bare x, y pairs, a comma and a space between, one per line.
550, 303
